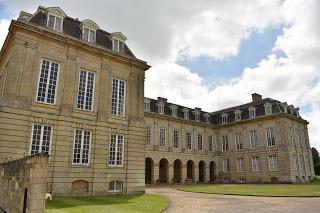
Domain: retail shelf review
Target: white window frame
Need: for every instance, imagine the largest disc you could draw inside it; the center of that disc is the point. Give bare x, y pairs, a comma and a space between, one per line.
90, 31
55, 20
255, 141
164, 137
239, 141
41, 138
224, 118
270, 136
252, 112
226, 165
197, 117
114, 40
47, 83
255, 161
148, 136
174, 112
240, 164
224, 143
147, 106
200, 141
237, 115
186, 115
272, 162
116, 150
176, 138
161, 108
115, 186
85, 93
189, 136
117, 112
81, 149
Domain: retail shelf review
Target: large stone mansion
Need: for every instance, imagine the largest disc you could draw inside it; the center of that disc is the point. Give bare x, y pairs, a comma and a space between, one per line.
76, 92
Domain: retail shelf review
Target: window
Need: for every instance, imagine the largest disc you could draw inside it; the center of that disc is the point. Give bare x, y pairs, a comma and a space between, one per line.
81, 147
162, 136
174, 112
241, 180
118, 46
115, 186
116, 150
270, 137
148, 135
210, 142
85, 90
268, 109
224, 142
161, 108
239, 143
147, 106
255, 164
54, 22
237, 115
176, 138
240, 165
253, 139
207, 117
272, 161
226, 166
118, 97
197, 117
186, 114
41, 139
224, 118
48, 80
89, 35
252, 112
200, 143
189, 140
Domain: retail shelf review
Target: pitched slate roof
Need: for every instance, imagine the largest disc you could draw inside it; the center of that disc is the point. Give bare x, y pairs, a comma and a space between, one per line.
72, 27
215, 117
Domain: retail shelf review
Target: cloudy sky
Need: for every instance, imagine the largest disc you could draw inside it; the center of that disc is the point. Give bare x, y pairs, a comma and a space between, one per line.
213, 53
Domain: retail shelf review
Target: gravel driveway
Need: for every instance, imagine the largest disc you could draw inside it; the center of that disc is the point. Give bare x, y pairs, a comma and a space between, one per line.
186, 202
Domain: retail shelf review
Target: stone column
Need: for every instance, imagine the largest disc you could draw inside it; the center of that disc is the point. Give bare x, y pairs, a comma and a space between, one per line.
155, 172
196, 172
171, 172
184, 173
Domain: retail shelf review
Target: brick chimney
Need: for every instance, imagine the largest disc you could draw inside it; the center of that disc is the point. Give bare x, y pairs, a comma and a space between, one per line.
256, 97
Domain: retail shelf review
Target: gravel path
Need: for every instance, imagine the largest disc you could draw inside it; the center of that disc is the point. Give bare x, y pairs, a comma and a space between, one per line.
186, 202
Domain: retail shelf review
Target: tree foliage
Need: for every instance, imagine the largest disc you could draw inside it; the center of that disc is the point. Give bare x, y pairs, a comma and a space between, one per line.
316, 161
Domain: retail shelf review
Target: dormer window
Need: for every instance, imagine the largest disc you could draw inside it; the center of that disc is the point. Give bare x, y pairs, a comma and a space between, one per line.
147, 105
268, 108
174, 110
224, 118
118, 46
89, 35
161, 108
252, 112
89, 29
54, 22
237, 115
197, 113
207, 117
185, 113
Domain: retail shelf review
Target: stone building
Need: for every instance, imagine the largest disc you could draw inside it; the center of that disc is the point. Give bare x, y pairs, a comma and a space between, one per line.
75, 91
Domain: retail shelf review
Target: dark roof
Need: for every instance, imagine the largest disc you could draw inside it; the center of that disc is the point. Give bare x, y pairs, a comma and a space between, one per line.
215, 117
72, 28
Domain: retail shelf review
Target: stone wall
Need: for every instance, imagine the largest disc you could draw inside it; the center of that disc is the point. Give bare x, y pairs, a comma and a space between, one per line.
26, 176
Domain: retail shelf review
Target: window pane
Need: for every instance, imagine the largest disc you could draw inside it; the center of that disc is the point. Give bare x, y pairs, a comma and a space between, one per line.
43, 81
77, 146
36, 137
58, 24
114, 102
85, 34
112, 149
81, 89
92, 36
51, 21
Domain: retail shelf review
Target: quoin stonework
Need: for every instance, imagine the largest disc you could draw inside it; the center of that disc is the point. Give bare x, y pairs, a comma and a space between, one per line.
76, 92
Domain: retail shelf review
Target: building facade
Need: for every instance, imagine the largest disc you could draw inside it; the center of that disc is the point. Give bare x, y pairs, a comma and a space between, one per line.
76, 92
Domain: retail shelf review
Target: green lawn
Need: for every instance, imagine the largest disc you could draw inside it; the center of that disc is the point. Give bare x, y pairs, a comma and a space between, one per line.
311, 189
108, 204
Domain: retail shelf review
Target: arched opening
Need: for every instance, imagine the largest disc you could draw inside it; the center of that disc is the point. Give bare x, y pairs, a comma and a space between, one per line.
80, 186
202, 171
163, 170
149, 171
177, 167
190, 171
212, 171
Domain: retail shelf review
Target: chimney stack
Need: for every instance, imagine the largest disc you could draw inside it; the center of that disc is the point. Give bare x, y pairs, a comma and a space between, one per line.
256, 97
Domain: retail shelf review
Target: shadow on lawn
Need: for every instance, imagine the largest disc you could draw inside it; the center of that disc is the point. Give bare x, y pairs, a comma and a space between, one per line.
74, 201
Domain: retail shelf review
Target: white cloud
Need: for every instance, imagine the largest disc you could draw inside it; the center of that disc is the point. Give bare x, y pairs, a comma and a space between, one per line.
4, 25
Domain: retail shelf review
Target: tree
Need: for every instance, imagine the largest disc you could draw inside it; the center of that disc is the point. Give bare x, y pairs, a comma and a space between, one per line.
316, 161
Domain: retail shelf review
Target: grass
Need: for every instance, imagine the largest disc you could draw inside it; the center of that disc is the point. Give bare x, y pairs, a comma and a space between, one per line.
147, 203
311, 189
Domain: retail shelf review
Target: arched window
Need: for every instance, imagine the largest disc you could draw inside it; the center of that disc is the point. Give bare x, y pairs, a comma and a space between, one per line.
115, 186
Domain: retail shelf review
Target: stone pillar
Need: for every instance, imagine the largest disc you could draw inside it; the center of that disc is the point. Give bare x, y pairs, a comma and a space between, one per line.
184, 173
196, 172
156, 172
171, 172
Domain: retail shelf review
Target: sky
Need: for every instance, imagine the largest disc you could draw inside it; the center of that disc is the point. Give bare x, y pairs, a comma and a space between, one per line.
219, 51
